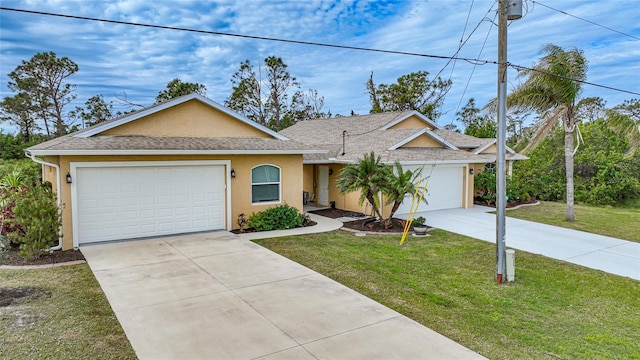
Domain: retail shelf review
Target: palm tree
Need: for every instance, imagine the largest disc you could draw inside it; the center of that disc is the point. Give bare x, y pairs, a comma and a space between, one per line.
367, 176
552, 88
399, 184
625, 119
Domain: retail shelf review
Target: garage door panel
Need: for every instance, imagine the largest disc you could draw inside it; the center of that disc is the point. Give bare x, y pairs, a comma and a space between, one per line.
127, 202
444, 189
165, 213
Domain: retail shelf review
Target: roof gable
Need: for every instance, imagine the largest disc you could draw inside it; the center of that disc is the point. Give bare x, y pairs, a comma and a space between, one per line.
187, 116
411, 120
406, 136
424, 138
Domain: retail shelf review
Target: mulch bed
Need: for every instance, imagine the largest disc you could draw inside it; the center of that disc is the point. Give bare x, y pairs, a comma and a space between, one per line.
397, 225
14, 259
252, 230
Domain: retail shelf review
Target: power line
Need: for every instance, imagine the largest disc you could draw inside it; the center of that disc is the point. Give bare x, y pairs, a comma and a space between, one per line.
474, 66
585, 20
519, 68
208, 32
462, 43
454, 57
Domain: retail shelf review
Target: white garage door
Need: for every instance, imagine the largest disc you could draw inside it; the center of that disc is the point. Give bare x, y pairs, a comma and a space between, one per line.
125, 202
444, 189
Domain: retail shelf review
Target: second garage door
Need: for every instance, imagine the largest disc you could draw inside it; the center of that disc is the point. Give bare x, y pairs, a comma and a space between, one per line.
444, 189
135, 201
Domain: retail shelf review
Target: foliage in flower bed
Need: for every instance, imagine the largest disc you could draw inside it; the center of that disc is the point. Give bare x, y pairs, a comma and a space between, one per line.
518, 190
280, 217
28, 210
35, 213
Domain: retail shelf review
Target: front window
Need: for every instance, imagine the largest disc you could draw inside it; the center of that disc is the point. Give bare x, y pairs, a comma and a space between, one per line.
265, 184
491, 167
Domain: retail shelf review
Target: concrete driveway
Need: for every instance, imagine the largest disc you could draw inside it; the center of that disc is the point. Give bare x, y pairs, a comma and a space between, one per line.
219, 296
615, 256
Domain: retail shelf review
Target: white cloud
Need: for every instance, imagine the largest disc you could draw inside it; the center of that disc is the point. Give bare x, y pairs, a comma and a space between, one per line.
140, 61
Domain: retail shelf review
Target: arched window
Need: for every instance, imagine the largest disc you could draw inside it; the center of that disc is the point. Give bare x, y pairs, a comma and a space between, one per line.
265, 184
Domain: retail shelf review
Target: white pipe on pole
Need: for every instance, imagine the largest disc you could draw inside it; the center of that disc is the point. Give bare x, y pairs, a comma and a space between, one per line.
58, 195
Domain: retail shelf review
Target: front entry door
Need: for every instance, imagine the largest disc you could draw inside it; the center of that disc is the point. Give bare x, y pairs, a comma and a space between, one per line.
323, 185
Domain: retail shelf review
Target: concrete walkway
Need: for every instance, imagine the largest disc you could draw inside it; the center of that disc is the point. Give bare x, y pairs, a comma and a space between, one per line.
219, 296
615, 256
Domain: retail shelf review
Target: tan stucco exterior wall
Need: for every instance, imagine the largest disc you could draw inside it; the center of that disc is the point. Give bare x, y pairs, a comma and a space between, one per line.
196, 120
467, 184
493, 149
334, 191
350, 201
291, 182
422, 141
477, 169
308, 179
411, 123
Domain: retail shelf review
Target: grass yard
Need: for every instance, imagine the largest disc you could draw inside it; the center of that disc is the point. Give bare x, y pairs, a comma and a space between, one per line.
621, 223
554, 310
66, 316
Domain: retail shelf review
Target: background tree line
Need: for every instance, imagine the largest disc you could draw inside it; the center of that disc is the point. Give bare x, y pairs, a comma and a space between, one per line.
268, 94
265, 93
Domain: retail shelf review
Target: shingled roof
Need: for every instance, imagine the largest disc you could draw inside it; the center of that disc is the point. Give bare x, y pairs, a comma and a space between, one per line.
348, 138
107, 145
91, 141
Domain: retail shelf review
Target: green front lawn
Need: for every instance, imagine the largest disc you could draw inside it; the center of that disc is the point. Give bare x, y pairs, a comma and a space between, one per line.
621, 223
66, 317
554, 310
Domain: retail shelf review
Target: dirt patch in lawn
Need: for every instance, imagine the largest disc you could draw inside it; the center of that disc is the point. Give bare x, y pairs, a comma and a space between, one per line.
17, 295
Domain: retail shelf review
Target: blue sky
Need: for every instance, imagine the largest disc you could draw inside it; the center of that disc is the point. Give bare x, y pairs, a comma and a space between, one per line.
116, 59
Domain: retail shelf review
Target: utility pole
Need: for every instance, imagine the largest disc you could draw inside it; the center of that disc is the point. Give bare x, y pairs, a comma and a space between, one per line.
507, 10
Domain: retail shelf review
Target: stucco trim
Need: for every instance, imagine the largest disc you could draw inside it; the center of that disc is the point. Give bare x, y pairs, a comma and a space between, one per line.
170, 103
488, 145
421, 162
479, 150
175, 152
75, 165
408, 115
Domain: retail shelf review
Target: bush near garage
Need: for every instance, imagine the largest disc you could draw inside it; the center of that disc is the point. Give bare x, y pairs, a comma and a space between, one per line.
35, 219
518, 190
28, 210
279, 217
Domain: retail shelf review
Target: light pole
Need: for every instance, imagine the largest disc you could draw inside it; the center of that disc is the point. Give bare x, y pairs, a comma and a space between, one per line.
507, 10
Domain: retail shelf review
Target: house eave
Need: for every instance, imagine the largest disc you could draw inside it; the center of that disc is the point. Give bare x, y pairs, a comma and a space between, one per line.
408, 115
172, 152
427, 132
479, 150
427, 162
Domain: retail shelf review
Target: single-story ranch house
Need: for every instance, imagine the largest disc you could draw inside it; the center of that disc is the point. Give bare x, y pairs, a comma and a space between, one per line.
447, 158
190, 164
185, 165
